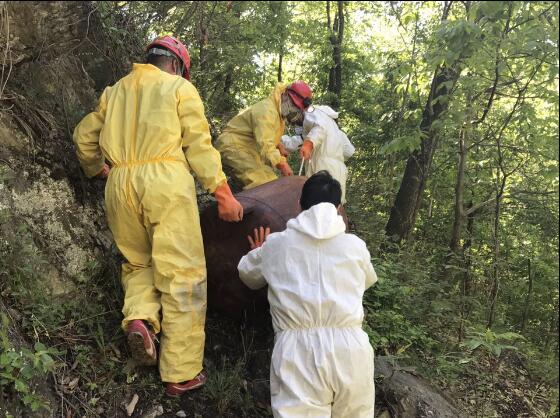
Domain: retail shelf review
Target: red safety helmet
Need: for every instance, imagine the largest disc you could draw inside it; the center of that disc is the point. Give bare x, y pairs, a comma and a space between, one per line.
175, 46
300, 93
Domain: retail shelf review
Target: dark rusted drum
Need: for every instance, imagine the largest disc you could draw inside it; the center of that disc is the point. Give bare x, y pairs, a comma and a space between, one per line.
272, 204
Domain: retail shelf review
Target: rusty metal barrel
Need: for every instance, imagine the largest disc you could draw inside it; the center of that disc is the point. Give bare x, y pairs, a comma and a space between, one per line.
271, 204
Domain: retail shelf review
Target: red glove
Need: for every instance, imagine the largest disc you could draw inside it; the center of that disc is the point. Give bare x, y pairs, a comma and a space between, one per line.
229, 209
104, 173
284, 168
306, 149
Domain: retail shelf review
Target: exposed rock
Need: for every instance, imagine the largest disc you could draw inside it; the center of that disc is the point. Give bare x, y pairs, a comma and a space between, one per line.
41, 185
47, 208
154, 412
132, 405
410, 396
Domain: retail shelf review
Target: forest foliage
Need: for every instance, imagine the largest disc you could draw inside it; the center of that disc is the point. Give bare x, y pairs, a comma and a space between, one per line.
488, 209
453, 109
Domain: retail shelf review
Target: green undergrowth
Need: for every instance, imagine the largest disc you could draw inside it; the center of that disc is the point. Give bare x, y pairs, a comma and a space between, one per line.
69, 354
413, 316
72, 347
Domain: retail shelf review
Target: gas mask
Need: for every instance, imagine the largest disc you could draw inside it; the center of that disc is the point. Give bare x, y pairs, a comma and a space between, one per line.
290, 112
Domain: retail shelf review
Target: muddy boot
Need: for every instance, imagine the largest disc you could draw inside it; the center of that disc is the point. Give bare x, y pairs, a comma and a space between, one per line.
177, 389
141, 341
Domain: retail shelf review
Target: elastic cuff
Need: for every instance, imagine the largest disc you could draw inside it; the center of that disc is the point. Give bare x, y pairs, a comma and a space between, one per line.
277, 161
180, 377
153, 323
217, 187
312, 140
94, 170
213, 187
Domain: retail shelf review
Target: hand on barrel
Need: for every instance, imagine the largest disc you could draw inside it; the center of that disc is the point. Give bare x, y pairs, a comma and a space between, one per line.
229, 209
260, 235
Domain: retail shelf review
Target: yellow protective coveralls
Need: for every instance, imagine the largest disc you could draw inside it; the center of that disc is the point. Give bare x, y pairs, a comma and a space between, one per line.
248, 142
151, 126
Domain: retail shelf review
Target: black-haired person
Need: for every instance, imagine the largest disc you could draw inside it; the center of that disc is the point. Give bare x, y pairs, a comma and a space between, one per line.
322, 363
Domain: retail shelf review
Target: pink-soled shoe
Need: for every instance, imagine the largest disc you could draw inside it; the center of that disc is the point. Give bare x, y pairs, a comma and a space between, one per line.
141, 341
177, 389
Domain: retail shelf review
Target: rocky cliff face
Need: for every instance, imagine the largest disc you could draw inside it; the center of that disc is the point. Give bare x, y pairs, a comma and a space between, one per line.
53, 234
46, 89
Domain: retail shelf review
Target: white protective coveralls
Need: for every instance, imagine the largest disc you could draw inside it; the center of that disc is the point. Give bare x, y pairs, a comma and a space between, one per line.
322, 363
331, 146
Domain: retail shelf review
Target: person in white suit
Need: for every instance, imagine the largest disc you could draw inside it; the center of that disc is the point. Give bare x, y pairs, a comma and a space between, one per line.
323, 144
322, 362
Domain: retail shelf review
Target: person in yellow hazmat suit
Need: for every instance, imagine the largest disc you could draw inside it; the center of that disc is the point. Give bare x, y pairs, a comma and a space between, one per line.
250, 141
151, 128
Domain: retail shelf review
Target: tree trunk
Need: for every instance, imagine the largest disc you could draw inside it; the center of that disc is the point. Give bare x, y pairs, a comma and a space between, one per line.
455, 257
552, 334
407, 202
409, 197
280, 57
496, 257
224, 104
281, 9
202, 38
466, 285
337, 51
459, 192
336, 36
228, 81
501, 173
529, 296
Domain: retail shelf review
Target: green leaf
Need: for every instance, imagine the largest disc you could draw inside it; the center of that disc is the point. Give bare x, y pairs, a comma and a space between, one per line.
39, 347
497, 350
509, 336
472, 344
21, 386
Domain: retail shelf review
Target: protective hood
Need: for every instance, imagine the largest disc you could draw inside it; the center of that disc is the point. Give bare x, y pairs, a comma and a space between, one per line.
320, 221
329, 111
275, 96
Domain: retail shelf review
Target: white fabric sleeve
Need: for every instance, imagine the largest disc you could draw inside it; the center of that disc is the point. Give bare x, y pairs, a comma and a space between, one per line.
291, 143
317, 134
371, 275
250, 271
347, 147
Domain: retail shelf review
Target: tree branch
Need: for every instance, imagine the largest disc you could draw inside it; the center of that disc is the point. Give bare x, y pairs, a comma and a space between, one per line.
193, 8
476, 208
496, 69
532, 18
